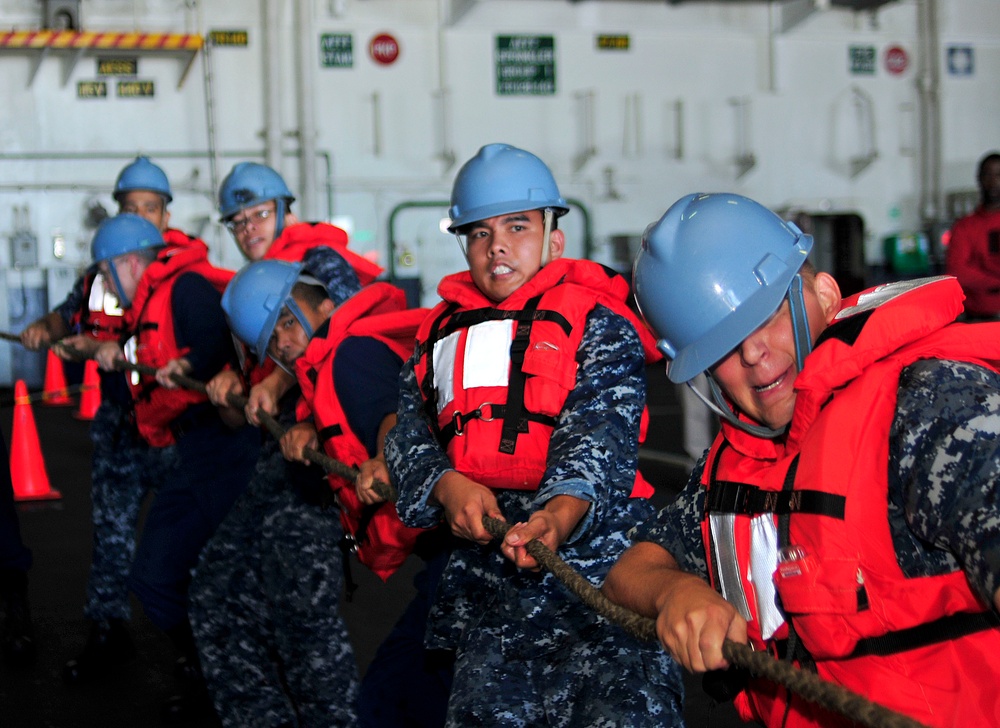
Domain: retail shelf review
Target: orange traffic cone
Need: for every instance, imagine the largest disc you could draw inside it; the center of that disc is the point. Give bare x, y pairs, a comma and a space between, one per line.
27, 468
55, 391
90, 394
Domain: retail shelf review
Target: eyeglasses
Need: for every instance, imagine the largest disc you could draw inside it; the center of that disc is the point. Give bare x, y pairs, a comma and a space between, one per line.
256, 218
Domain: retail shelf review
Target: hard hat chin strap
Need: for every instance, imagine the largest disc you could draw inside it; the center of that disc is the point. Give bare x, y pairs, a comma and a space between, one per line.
723, 409
549, 216
280, 208
461, 246
292, 306
123, 300
800, 321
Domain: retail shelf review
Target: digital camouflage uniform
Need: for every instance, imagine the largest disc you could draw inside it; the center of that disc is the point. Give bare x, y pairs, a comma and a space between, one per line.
265, 605
265, 595
528, 651
944, 455
123, 471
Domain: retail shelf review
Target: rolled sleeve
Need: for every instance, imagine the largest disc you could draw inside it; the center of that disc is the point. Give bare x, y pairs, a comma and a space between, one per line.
593, 451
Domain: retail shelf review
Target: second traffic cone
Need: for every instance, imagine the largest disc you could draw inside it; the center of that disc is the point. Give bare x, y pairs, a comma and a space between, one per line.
90, 394
55, 391
27, 468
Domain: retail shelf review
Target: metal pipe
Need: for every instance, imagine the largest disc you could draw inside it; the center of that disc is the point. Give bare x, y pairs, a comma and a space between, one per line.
401, 207
100, 187
928, 88
443, 95
270, 87
306, 109
213, 148
327, 181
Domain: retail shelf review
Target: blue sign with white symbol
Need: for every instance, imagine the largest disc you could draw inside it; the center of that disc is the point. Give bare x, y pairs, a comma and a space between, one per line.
961, 60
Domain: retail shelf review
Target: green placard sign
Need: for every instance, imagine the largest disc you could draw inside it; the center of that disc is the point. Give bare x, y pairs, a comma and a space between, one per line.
135, 89
336, 50
525, 65
862, 60
91, 89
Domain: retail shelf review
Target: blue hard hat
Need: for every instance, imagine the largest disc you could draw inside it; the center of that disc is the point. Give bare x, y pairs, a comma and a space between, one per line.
249, 184
142, 175
709, 272
502, 179
121, 234
254, 298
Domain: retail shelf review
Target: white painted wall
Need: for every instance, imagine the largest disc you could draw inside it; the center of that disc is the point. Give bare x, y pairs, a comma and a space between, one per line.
398, 133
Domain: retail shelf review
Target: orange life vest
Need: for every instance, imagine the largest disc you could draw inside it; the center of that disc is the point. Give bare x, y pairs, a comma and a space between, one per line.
803, 523
495, 376
296, 240
377, 311
154, 342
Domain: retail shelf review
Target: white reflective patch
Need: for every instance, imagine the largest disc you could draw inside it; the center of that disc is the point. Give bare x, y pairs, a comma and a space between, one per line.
886, 292
111, 306
763, 562
723, 526
131, 355
487, 355
102, 297
444, 369
97, 294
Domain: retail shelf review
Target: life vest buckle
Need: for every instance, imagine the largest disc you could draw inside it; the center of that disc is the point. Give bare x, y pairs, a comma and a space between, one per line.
479, 412
458, 419
350, 544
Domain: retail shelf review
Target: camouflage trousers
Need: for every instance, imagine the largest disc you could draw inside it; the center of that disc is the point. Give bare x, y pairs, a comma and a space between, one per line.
607, 679
124, 470
264, 606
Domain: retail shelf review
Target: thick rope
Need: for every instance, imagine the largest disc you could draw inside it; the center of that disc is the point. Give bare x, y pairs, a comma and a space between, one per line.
803, 683
807, 685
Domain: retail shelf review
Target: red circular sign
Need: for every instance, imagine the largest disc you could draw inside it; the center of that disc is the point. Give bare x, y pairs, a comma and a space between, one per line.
896, 60
384, 49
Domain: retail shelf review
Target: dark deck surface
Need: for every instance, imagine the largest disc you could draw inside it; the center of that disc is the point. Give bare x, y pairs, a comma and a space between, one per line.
58, 532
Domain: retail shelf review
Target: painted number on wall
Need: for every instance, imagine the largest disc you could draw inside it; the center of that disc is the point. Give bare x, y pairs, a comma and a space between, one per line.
136, 89
240, 38
117, 66
612, 42
91, 89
